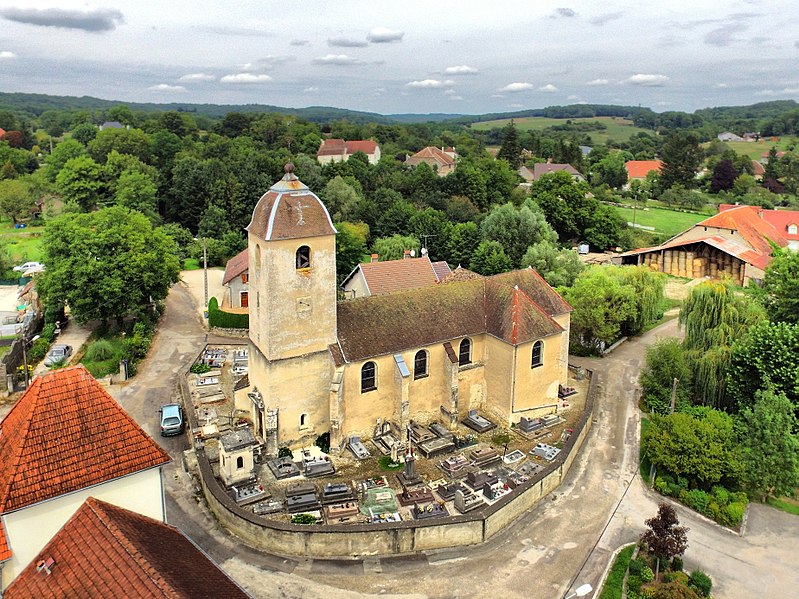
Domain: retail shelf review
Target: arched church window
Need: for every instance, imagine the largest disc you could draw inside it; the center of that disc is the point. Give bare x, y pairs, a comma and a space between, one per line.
368, 377
465, 353
303, 257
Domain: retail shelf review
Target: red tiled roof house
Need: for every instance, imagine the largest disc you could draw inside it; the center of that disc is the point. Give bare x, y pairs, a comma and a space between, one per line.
64, 440
441, 160
639, 169
338, 150
376, 278
236, 281
108, 551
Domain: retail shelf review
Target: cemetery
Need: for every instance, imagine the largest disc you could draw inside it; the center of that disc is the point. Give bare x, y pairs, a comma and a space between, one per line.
458, 476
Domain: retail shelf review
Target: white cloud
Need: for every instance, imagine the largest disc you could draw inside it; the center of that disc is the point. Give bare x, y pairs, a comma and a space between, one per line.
517, 87
783, 92
92, 19
163, 87
515, 105
595, 82
7, 55
345, 42
245, 78
198, 77
461, 70
379, 91
455, 97
720, 85
299, 42
497, 95
573, 97
430, 83
384, 35
450, 92
311, 90
336, 59
548, 88
647, 80
248, 66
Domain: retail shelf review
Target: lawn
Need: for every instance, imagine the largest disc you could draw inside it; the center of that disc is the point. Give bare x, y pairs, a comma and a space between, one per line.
24, 245
666, 222
191, 264
618, 129
785, 504
755, 149
109, 365
612, 589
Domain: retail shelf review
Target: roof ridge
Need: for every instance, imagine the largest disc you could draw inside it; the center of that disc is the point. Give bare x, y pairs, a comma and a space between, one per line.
106, 517
17, 448
540, 309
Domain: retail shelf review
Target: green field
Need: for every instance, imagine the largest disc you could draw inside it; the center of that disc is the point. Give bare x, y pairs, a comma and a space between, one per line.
667, 222
618, 129
756, 149
23, 245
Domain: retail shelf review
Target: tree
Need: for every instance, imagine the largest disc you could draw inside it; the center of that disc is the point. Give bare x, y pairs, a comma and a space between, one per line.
771, 169
62, 153
510, 150
393, 248
106, 264
770, 446
489, 259
214, 223
681, 156
350, 247
516, 229
611, 170
341, 199
714, 317
665, 361
84, 133
699, 444
80, 182
781, 286
16, 201
767, 356
124, 141
648, 288
601, 304
724, 175
461, 244
559, 267
138, 192
665, 538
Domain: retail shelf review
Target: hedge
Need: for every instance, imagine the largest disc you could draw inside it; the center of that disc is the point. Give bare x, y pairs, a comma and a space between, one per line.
226, 320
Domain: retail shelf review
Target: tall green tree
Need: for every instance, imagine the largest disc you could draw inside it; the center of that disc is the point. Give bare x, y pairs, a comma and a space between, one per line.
665, 361
714, 317
781, 286
138, 192
341, 199
770, 446
489, 258
516, 229
681, 156
63, 152
393, 248
16, 200
462, 243
350, 247
511, 149
559, 267
648, 288
611, 170
107, 264
80, 182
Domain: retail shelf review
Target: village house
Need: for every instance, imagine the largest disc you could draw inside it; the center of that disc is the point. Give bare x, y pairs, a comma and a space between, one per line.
236, 281
498, 344
377, 278
107, 551
735, 243
338, 150
66, 439
544, 168
639, 169
441, 160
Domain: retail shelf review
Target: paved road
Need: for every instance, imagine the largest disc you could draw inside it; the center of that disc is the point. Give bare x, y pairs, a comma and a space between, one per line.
537, 557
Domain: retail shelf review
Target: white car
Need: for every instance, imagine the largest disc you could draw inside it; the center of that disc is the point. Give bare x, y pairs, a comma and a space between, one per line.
36, 266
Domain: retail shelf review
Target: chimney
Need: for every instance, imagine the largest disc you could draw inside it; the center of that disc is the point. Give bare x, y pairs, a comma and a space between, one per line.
44, 565
406, 254
374, 258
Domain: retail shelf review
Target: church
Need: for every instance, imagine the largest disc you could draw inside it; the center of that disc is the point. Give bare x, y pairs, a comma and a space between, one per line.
497, 344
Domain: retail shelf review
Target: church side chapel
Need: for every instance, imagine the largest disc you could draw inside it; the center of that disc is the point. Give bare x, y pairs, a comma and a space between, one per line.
490, 349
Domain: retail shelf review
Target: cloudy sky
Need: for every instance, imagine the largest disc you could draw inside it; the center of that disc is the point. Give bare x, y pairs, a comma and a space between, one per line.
464, 56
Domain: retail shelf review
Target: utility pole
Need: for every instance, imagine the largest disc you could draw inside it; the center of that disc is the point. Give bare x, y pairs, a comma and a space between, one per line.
674, 394
205, 276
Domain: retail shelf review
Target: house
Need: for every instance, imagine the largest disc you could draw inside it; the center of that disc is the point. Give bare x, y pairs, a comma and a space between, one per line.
377, 278
758, 170
544, 168
735, 243
338, 150
111, 125
236, 281
729, 136
526, 174
765, 155
639, 169
441, 160
64, 440
498, 344
107, 551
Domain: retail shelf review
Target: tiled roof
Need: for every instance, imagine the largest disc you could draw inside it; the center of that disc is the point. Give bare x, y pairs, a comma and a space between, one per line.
638, 169
544, 168
460, 274
431, 155
5, 551
516, 307
396, 275
728, 246
367, 146
289, 210
67, 433
339, 147
780, 219
755, 230
108, 551
757, 168
236, 266
441, 269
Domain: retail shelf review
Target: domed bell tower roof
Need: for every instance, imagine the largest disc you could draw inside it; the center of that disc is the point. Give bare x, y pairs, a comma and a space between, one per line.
289, 210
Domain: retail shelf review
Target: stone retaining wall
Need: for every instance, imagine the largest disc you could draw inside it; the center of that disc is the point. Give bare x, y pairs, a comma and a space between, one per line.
394, 538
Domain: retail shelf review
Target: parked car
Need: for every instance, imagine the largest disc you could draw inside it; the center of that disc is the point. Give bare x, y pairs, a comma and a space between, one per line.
171, 419
29, 266
58, 353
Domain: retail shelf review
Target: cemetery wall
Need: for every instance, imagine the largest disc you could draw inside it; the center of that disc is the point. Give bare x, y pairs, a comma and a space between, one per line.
398, 538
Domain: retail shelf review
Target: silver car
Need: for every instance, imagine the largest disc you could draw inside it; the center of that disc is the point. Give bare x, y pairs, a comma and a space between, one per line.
171, 419
58, 353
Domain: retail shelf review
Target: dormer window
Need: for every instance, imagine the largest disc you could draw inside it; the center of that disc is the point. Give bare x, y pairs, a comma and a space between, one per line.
793, 229
302, 257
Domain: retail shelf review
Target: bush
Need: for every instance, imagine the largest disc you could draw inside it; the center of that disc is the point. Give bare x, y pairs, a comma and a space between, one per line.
303, 519
99, 351
38, 350
226, 320
637, 566
734, 513
385, 463
323, 442
661, 486
698, 500
284, 452
634, 584
669, 577
677, 564
647, 575
200, 368
701, 582
48, 332
721, 495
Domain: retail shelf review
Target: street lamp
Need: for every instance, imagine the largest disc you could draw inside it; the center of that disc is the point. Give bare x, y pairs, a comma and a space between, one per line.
581, 591
205, 275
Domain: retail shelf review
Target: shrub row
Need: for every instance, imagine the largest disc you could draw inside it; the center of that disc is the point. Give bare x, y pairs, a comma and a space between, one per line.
226, 320
721, 505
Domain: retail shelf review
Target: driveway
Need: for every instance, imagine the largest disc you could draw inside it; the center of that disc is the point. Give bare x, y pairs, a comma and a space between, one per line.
569, 535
